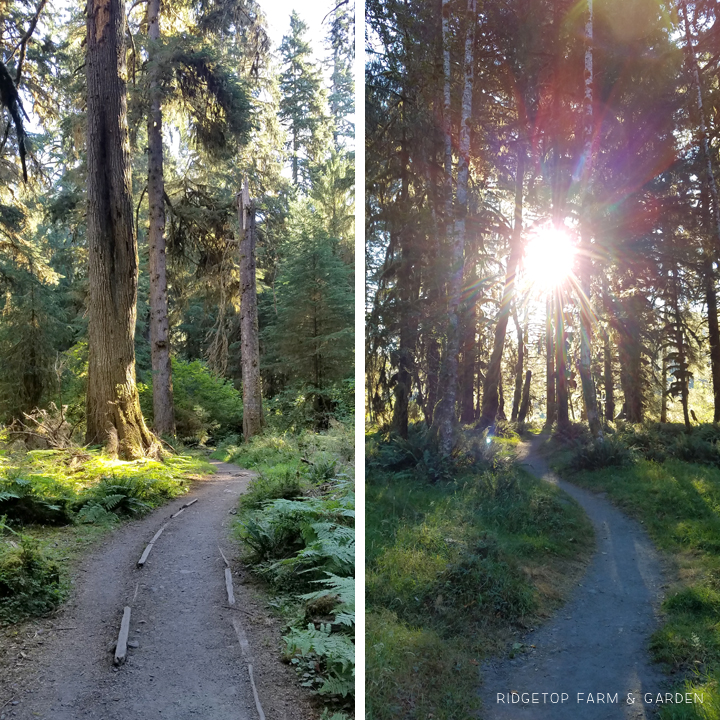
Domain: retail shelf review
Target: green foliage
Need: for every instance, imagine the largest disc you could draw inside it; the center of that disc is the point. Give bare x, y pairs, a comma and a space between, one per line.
417, 456
303, 108
29, 583
601, 453
296, 527
447, 570
206, 406
61, 486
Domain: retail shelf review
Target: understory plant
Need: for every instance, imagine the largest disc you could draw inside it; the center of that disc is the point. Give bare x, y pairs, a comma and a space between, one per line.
296, 526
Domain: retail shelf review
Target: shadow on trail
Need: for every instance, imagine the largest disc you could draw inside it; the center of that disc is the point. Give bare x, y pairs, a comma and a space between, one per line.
598, 642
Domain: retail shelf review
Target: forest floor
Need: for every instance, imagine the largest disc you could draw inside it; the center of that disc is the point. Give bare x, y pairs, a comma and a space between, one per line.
598, 642
185, 659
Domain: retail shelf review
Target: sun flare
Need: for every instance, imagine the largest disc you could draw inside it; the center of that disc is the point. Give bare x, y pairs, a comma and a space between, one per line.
549, 257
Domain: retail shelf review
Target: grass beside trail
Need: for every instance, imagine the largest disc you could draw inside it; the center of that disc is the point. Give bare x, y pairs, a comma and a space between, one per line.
456, 570
55, 504
678, 503
296, 526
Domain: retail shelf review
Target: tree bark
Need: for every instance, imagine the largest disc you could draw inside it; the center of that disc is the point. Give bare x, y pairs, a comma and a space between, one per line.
586, 314
113, 411
249, 336
517, 396
608, 380
445, 414
408, 332
490, 398
469, 346
713, 334
563, 418
525, 404
163, 412
710, 183
663, 401
551, 407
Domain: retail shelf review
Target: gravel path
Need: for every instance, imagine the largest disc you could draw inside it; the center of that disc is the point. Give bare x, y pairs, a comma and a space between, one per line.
188, 661
598, 642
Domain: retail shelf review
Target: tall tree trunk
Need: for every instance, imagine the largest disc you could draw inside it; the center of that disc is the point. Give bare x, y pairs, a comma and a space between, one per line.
163, 412
586, 314
492, 378
113, 411
663, 401
608, 380
469, 345
551, 406
249, 336
433, 376
713, 333
408, 333
525, 404
712, 250
563, 418
445, 417
501, 402
517, 396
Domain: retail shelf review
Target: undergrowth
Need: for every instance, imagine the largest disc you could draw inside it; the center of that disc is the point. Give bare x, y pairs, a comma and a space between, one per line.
672, 485
462, 554
49, 497
296, 528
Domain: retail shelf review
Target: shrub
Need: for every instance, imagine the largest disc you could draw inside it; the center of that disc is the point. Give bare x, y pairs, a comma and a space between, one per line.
207, 407
30, 500
29, 583
693, 449
279, 482
306, 407
597, 454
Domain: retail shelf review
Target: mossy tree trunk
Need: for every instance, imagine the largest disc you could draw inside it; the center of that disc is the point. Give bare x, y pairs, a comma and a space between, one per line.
114, 418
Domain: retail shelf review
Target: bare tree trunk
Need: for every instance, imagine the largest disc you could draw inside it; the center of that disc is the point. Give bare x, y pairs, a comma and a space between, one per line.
608, 380
713, 334
163, 412
406, 351
445, 417
490, 398
563, 418
525, 404
711, 185
469, 345
551, 408
519, 367
586, 314
663, 401
113, 411
250, 342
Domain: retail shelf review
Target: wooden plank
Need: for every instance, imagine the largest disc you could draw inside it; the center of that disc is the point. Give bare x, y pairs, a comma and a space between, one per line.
146, 552
183, 507
227, 564
258, 706
229, 587
121, 648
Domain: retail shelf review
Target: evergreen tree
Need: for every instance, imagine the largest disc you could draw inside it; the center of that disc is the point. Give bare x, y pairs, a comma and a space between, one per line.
114, 418
303, 107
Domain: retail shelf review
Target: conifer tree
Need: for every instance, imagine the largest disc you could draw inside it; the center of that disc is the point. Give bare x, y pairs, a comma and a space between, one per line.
114, 418
303, 107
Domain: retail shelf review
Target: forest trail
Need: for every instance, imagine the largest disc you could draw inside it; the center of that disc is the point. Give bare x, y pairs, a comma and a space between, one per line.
188, 662
598, 641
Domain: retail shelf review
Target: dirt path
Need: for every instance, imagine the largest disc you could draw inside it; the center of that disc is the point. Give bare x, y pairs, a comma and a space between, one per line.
598, 641
188, 661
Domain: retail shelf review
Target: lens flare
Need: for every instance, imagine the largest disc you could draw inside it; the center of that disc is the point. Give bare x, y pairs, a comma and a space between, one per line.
549, 257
